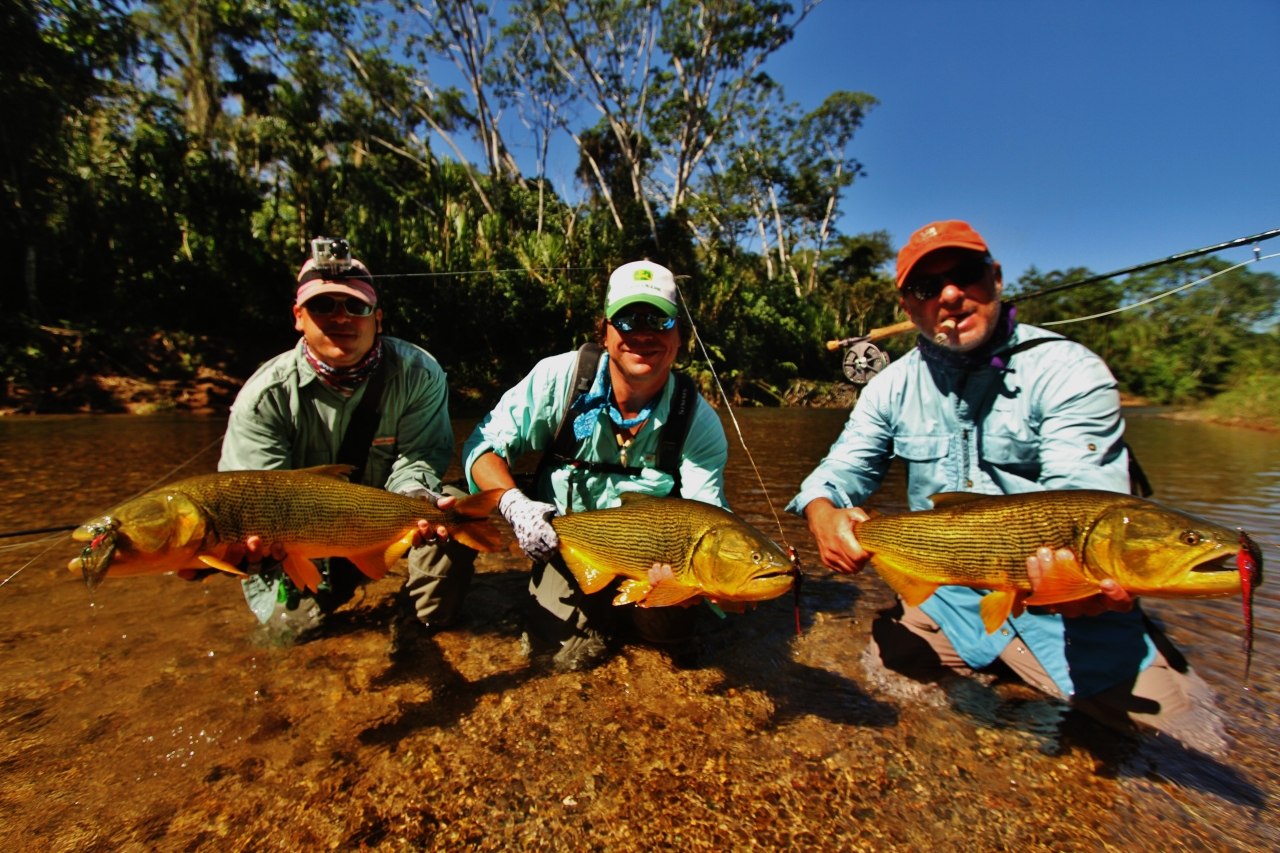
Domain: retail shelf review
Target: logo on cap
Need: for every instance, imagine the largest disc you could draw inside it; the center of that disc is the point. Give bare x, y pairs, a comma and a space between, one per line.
643, 275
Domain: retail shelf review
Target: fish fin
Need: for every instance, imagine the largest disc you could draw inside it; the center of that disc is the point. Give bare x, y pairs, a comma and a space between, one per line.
631, 591
338, 472
480, 535
635, 497
1065, 583
668, 592
221, 565
302, 572
954, 498
913, 590
996, 607
589, 577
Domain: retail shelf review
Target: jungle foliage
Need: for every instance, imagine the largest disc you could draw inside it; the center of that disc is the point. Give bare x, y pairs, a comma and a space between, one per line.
166, 162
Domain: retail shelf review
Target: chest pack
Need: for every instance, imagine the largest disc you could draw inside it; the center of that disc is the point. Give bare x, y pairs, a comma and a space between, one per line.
564, 447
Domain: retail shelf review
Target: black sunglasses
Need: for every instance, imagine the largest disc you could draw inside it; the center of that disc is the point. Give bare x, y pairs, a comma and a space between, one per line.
633, 320
963, 274
324, 305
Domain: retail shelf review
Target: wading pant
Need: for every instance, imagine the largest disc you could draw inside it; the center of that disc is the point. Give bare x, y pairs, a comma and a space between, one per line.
1166, 696
561, 610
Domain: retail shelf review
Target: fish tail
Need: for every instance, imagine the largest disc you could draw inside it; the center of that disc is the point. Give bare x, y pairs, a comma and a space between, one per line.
480, 504
478, 533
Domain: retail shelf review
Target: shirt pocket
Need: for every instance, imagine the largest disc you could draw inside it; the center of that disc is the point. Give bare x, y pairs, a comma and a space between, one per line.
1020, 456
926, 460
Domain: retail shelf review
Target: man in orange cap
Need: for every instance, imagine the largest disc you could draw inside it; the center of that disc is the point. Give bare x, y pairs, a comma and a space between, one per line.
986, 405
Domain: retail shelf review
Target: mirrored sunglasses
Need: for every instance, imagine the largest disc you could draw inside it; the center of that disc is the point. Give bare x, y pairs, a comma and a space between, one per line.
963, 274
633, 320
324, 305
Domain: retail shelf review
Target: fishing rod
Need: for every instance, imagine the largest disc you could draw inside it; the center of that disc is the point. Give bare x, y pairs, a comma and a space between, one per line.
864, 359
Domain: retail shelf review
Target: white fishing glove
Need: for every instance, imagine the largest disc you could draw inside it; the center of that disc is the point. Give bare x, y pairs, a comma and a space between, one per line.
530, 522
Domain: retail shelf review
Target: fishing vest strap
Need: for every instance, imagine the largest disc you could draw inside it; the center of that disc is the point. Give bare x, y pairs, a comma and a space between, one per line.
564, 447
358, 440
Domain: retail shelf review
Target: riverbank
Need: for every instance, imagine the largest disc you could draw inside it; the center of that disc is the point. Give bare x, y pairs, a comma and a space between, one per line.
210, 390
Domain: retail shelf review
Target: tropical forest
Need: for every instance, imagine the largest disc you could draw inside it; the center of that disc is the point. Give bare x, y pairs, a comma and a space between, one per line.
166, 164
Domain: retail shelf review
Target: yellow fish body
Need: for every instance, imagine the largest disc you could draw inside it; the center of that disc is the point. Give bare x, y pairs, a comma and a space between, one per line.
983, 541
713, 553
312, 512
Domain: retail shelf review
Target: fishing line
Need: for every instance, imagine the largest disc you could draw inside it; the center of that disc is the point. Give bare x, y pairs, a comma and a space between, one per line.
732, 417
1158, 296
55, 540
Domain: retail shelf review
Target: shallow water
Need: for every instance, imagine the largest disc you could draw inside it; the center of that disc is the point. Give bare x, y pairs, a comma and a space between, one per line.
147, 715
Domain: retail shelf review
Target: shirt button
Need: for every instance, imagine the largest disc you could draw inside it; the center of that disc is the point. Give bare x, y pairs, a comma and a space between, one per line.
1093, 446
1004, 631
968, 484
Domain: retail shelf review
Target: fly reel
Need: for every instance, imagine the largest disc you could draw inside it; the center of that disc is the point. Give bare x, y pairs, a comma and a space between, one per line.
863, 360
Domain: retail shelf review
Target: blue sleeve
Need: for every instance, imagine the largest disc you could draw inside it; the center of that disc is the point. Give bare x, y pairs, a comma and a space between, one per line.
856, 464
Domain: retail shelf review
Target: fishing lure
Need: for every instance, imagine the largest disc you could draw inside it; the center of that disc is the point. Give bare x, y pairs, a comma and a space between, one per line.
1249, 563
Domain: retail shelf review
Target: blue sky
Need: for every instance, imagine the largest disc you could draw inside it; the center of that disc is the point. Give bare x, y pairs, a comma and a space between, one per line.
1082, 133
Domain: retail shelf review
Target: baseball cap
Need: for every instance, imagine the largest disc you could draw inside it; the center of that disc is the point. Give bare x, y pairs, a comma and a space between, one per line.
354, 280
944, 234
642, 281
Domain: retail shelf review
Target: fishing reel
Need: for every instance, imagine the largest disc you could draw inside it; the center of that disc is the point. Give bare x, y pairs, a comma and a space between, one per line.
863, 360
331, 255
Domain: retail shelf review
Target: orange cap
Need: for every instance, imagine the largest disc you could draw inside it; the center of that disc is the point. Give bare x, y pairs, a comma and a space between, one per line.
946, 233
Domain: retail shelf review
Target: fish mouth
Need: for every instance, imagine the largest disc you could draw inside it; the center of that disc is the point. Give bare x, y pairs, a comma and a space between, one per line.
1215, 564
95, 557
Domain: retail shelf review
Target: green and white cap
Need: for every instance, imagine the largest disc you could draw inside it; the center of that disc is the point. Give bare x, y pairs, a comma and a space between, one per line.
642, 281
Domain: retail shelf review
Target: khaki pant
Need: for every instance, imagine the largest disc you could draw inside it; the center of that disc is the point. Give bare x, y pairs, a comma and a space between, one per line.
1166, 696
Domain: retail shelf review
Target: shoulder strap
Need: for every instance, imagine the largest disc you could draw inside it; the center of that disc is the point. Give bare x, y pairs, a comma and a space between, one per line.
563, 443
684, 401
364, 424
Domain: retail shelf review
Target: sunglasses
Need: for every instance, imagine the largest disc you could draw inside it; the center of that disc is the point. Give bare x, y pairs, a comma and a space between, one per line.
634, 320
323, 306
963, 274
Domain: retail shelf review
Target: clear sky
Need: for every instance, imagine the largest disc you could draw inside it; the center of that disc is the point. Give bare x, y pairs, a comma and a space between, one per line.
1076, 133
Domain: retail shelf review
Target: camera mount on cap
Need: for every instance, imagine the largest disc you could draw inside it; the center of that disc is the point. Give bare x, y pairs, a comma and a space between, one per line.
331, 255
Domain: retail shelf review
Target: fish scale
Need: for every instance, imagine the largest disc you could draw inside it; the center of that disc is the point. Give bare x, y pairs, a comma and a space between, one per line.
245, 503
655, 532
943, 548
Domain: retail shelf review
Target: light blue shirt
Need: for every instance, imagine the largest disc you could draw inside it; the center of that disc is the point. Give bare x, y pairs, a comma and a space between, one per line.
1051, 420
527, 417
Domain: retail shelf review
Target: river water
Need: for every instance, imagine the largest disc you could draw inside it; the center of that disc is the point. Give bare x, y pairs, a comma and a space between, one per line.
149, 715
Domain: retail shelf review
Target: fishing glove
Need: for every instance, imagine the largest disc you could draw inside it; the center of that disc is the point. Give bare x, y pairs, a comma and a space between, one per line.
529, 520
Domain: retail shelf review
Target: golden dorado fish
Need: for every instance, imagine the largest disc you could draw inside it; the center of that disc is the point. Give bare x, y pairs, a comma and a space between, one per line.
712, 553
313, 512
983, 541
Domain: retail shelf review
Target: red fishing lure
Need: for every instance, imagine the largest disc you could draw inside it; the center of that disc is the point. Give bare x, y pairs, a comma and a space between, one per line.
1249, 563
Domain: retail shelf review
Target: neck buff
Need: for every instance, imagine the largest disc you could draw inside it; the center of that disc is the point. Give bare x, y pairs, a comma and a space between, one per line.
600, 398
345, 380
988, 355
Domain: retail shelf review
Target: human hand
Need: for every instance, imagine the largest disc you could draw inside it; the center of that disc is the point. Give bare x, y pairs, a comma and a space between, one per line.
1111, 596
833, 531
425, 534
530, 522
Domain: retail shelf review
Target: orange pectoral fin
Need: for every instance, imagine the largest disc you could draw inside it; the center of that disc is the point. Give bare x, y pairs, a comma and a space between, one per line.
302, 572
221, 565
1063, 583
668, 592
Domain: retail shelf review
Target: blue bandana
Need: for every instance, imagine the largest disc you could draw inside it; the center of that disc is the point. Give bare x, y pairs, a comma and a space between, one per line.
600, 398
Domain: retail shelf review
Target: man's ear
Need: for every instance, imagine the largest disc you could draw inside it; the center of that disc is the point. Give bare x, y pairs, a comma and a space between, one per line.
297, 318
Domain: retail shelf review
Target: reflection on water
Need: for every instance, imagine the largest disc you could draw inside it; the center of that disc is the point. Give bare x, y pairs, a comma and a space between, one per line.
144, 715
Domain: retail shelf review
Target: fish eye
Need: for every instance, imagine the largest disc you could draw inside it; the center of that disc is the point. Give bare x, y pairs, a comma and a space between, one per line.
1189, 537
756, 557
